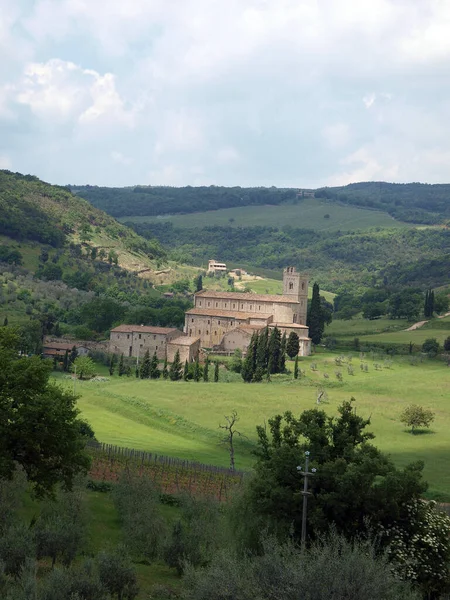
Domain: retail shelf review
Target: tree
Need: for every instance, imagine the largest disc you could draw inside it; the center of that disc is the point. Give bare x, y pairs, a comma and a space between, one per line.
117, 574
235, 363
354, 483
431, 346
447, 344
146, 366
206, 370
315, 320
5, 322
165, 372
282, 361
199, 284
122, 369
73, 355
154, 371
231, 431
197, 370
262, 353
186, 371
415, 416
296, 367
216, 371
39, 425
66, 361
112, 364
441, 303
274, 351
175, 371
249, 364
293, 345
84, 367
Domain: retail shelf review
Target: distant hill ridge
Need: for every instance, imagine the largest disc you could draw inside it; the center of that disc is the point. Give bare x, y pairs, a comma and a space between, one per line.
412, 202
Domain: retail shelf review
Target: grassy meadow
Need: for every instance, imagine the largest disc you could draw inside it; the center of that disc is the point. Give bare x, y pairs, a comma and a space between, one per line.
308, 213
182, 418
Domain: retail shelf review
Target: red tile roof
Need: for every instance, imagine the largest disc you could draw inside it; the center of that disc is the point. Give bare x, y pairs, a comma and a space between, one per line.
184, 340
144, 329
233, 314
246, 296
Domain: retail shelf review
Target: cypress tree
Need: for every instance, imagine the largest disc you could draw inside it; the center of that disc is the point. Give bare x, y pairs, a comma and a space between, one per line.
128, 371
121, 366
73, 355
216, 371
186, 371
282, 361
175, 368
55, 363
293, 345
315, 321
262, 354
274, 350
249, 364
5, 322
146, 366
206, 371
112, 364
431, 303
197, 370
199, 283
154, 371
426, 305
66, 362
165, 372
296, 368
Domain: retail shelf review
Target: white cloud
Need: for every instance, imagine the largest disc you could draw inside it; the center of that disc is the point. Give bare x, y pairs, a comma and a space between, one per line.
237, 91
5, 162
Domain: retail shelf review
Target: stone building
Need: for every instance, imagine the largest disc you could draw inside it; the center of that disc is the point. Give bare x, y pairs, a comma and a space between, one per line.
216, 267
135, 340
217, 314
188, 347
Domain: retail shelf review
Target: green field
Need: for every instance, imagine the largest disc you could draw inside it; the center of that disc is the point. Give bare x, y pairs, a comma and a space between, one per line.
392, 331
182, 418
307, 214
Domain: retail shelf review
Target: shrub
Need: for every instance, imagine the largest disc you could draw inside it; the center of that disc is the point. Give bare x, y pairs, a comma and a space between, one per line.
415, 416
431, 347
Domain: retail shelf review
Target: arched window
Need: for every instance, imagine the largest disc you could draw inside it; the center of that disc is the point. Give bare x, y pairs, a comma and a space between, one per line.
291, 286
303, 285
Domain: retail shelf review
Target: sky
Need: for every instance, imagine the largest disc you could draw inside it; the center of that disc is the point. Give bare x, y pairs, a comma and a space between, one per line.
291, 93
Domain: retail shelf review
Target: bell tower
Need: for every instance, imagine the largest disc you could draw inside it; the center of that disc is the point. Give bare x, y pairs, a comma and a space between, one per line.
295, 285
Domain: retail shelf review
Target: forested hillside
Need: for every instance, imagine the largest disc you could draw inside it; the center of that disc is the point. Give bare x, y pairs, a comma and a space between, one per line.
67, 267
411, 202
409, 257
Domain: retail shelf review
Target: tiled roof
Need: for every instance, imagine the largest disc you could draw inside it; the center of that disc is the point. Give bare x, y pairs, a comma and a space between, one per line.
233, 314
143, 329
291, 325
184, 340
246, 296
62, 345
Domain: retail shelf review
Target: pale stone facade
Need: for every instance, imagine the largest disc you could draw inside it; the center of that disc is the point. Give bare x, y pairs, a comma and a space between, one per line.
188, 347
216, 267
135, 340
216, 314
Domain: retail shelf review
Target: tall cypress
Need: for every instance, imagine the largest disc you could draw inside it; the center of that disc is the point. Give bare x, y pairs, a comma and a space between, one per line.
431, 303
154, 371
296, 367
165, 372
274, 351
197, 370
112, 363
122, 369
282, 360
186, 371
146, 366
216, 371
315, 321
262, 354
206, 370
175, 368
426, 305
66, 362
249, 364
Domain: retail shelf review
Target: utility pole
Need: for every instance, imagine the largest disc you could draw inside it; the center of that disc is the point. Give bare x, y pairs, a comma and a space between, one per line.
305, 495
75, 378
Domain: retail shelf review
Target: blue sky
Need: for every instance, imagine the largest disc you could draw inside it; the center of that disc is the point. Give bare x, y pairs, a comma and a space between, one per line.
298, 93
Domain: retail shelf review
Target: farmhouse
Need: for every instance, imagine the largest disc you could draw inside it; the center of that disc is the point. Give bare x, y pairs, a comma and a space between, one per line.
51, 349
226, 320
135, 340
216, 267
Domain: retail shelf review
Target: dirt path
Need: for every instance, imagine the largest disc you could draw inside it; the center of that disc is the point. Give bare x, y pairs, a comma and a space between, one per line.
416, 325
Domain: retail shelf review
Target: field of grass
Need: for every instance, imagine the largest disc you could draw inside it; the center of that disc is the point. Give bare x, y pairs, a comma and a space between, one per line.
308, 214
182, 418
362, 327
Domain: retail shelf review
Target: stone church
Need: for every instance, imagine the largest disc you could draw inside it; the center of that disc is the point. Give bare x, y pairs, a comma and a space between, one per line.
226, 320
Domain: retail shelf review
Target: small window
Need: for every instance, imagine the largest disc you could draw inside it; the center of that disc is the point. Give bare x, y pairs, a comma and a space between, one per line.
291, 286
140, 336
217, 304
190, 331
209, 304
251, 306
215, 333
154, 337
259, 307
192, 320
209, 321
199, 332
218, 322
303, 285
156, 347
207, 332
225, 304
242, 306
128, 336
234, 305
141, 345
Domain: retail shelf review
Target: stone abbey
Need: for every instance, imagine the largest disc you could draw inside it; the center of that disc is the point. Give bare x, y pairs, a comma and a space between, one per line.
225, 321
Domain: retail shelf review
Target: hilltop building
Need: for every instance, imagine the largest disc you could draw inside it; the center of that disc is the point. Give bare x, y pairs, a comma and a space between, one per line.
227, 320
216, 267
